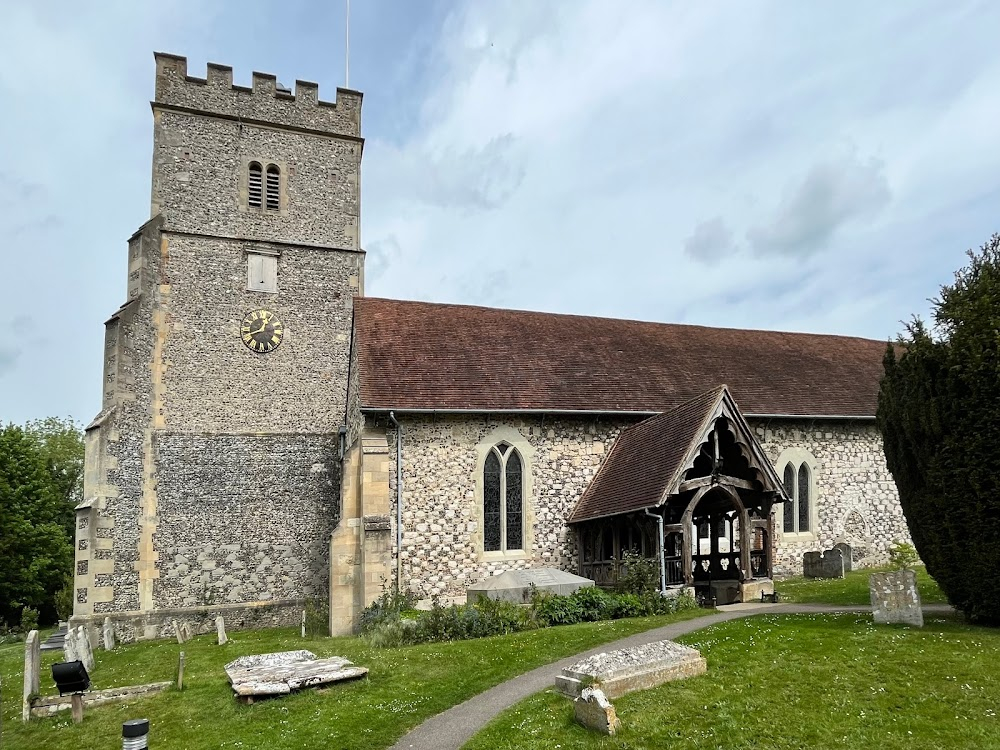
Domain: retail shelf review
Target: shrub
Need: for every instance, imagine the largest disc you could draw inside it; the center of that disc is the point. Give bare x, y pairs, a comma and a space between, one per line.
387, 608
938, 411
640, 574
64, 600
902, 556
29, 619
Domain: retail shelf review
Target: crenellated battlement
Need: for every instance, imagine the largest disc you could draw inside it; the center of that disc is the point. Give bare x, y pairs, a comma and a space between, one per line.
262, 102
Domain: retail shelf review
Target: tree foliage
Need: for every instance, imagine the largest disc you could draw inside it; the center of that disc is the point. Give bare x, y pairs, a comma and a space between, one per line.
37, 487
939, 414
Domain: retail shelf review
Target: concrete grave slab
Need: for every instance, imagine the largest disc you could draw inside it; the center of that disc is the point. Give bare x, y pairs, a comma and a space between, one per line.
624, 670
515, 585
279, 673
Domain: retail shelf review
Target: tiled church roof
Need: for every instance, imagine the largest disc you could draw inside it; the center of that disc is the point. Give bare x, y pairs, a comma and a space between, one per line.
645, 460
418, 355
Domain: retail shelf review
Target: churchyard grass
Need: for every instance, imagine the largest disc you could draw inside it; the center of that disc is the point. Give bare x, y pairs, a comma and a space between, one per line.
851, 590
797, 681
405, 686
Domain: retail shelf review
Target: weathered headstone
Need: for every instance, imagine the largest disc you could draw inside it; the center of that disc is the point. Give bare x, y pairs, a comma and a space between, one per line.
303, 623
84, 648
71, 651
108, 633
31, 673
895, 598
182, 631
828, 564
180, 671
594, 711
848, 552
220, 629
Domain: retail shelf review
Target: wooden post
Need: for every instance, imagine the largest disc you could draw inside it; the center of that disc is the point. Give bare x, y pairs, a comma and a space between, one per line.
180, 671
76, 703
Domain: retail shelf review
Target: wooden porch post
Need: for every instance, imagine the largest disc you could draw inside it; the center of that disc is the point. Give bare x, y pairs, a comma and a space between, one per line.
746, 534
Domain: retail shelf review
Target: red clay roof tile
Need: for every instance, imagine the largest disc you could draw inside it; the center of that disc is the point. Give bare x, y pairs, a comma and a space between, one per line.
419, 355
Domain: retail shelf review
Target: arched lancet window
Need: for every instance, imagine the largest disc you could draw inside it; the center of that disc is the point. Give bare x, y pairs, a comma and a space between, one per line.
503, 500
797, 510
273, 188
255, 185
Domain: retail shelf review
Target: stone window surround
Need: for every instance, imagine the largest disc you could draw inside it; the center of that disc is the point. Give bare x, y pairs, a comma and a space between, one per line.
797, 457
244, 188
518, 442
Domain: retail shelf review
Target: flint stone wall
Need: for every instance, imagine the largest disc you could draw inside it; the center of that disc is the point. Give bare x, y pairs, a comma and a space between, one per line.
442, 519
244, 518
856, 498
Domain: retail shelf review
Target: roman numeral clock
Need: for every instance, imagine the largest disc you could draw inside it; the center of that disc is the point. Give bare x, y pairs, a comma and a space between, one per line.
262, 331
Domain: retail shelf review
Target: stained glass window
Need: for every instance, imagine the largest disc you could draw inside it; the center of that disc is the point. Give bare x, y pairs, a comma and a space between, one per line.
491, 503
789, 507
803, 498
503, 500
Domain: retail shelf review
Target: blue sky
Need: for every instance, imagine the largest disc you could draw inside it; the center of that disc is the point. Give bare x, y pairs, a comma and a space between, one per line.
801, 166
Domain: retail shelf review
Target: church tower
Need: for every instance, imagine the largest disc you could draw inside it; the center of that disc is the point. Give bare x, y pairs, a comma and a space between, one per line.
212, 471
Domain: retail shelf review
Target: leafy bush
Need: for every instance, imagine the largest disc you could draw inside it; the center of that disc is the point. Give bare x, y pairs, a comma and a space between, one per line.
641, 574
938, 412
387, 608
317, 617
902, 556
64, 600
29, 619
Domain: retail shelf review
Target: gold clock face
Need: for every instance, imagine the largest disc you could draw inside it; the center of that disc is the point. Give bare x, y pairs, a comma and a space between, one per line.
262, 331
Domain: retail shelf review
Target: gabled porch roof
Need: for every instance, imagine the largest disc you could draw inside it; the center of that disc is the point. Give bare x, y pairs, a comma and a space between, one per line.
649, 460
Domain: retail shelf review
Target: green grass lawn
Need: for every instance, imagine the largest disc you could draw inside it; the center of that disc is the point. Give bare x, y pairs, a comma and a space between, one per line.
797, 681
404, 687
852, 589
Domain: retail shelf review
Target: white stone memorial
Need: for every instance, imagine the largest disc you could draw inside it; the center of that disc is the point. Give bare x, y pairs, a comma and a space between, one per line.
31, 673
516, 585
220, 630
108, 635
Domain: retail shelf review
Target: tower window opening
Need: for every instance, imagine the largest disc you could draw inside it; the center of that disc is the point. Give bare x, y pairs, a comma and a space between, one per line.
273, 188
255, 188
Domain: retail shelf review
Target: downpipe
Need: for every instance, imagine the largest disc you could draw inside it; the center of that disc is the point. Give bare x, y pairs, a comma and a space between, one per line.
659, 544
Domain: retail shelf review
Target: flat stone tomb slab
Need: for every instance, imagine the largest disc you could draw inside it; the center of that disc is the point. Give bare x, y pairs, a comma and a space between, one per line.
627, 669
516, 585
280, 673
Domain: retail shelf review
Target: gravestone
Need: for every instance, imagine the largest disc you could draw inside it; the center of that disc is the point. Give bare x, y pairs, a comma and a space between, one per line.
516, 585
828, 564
895, 598
71, 651
84, 649
280, 673
220, 630
594, 711
633, 668
108, 633
182, 631
848, 552
31, 673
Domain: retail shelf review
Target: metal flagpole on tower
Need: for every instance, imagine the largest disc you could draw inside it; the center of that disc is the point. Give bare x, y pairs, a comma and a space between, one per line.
347, 48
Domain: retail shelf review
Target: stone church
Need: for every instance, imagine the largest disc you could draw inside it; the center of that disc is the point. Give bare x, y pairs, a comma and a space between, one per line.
269, 435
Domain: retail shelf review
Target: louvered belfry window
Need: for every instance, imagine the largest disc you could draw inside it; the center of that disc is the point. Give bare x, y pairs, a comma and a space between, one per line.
273, 188
255, 187
503, 507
